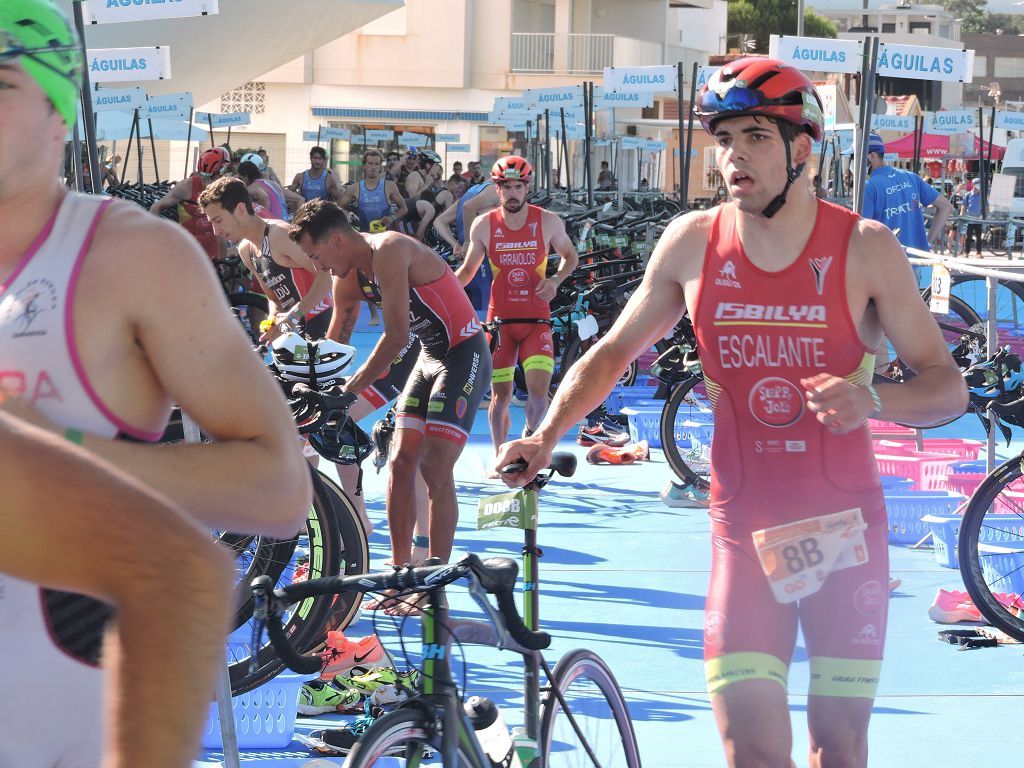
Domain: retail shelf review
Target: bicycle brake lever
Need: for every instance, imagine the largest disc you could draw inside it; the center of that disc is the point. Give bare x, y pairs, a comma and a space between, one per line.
479, 595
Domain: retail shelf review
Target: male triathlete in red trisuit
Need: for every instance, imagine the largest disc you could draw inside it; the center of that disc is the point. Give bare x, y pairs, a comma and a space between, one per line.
516, 238
789, 294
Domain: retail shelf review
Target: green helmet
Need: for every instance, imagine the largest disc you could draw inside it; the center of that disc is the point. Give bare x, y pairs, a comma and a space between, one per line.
38, 33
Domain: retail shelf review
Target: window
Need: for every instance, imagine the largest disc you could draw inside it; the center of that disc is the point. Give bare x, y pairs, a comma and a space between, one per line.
251, 97
389, 24
980, 66
347, 156
920, 27
1009, 66
888, 28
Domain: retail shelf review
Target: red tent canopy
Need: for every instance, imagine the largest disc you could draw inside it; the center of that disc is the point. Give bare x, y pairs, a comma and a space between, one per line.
935, 146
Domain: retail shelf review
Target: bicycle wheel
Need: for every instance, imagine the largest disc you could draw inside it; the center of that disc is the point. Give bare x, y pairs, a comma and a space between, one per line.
355, 554
316, 553
991, 545
404, 733
686, 428
251, 309
599, 709
1009, 304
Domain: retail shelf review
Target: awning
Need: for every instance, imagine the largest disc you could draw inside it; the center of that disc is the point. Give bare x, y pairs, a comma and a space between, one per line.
936, 146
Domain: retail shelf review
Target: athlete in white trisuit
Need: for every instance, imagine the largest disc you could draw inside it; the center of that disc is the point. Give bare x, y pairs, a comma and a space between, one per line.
109, 315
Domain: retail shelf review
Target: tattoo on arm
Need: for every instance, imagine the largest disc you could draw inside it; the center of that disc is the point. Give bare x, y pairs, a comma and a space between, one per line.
348, 323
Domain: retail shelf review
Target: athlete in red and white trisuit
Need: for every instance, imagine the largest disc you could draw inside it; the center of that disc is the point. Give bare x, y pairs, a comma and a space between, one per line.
788, 294
417, 292
516, 238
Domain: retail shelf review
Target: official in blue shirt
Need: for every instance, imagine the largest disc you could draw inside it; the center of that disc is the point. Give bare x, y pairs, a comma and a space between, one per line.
972, 207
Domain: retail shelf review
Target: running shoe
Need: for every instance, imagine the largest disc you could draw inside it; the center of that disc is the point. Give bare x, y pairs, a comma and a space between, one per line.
601, 434
953, 606
370, 681
627, 454
894, 583
685, 496
318, 697
342, 655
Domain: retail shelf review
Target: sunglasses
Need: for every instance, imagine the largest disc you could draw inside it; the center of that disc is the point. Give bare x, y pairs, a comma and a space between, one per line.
10, 48
736, 99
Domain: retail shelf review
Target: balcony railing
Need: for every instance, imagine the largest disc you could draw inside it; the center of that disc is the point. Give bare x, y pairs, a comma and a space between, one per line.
542, 52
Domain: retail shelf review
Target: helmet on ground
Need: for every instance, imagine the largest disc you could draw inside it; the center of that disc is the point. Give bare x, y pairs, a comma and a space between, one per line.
297, 359
511, 168
255, 159
343, 442
875, 144
40, 35
757, 85
212, 161
430, 155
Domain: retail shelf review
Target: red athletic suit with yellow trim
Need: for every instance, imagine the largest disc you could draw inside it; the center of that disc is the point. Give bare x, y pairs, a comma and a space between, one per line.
759, 333
519, 259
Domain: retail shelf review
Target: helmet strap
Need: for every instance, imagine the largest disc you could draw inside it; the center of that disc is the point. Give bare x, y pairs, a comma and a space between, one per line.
792, 174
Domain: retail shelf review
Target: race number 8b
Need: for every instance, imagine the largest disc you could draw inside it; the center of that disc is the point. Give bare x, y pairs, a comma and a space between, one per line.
802, 555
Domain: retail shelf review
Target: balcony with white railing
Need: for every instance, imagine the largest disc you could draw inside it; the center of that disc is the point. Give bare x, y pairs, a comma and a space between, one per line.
552, 53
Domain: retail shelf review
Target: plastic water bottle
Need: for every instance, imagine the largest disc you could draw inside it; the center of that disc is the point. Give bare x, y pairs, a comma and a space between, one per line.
490, 728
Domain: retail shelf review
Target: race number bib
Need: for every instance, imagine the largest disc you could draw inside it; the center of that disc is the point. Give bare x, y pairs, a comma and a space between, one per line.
797, 557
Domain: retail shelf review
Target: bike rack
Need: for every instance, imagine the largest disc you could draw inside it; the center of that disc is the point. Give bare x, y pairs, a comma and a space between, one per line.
227, 717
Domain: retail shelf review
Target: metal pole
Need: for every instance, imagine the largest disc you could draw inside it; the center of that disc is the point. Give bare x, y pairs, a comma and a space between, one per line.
565, 155
76, 158
799, 18
188, 142
619, 161
992, 332
317, 134
588, 109
138, 143
209, 119
988, 169
982, 169
867, 98
152, 146
88, 119
681, 127
684, 185
228, 142
127, 154
547, 148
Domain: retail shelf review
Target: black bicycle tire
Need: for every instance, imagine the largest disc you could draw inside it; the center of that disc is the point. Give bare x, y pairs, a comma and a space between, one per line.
306, 624
996, 244
250, 300
399, 728
568, 669
666, 430
355, 555
1014, 286
971, 569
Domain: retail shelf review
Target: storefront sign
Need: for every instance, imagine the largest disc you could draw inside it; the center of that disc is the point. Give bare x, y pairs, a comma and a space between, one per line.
111, 65
407, 139
661, 79
513, 106
170, 106
539, 99
814, 54
655, 146
458, 148
950, 122
337, 134
1011, 121
116, 11
447, 138
892, 123
223, 121
126, 99
604, 99
374, 136
920, 62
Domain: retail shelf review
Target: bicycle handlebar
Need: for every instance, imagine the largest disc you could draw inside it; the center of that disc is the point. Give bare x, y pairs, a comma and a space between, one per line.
497, 576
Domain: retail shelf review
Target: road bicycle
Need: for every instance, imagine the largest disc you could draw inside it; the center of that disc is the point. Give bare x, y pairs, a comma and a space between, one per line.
578, 717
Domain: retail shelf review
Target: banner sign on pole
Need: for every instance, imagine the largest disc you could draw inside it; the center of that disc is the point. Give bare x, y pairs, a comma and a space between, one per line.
447, 138
111, 65
338, 134
572, 130
1012, 121
512, 122
655, 146
921, 62
660, 79
513, 106
816, 54
407, 139
539, 99
604, 99
117, 11
223, 121
950, 122
170, 106
128, 99
892, 122
632, 142
704, 74
459, 148
374, 136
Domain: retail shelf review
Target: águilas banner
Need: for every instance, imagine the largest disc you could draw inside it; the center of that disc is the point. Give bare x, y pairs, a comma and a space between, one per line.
920, 62
950, 122
539, 99
125, 99
1012, 121
604, 99
660, 79
111, 65
892, 122
116, 11
170, 106
223, 121
815, 54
